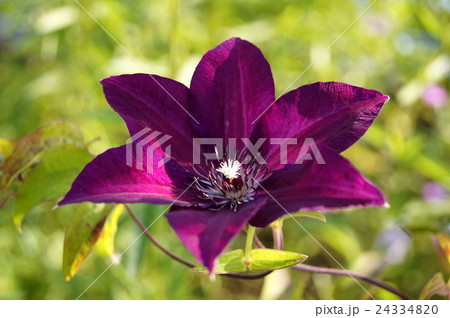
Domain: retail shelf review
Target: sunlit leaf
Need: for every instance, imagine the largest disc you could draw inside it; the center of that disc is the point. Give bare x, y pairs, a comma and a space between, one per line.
438, 68
305, 214
341, 238
56, 19
82, 232
268, 259
231, 262
442, 244
428, 20
50, 179
433, 169
30, 148
6, 148
436, 286
436, 218
105, 244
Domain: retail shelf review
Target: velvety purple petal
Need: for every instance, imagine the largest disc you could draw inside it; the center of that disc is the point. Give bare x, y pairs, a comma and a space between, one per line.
334, 114
108, 178
316, 187
231, 87
207, 233
158, 103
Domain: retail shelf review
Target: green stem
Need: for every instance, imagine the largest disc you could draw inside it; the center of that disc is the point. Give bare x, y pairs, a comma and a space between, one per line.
338, 272
152, 239
248, 245
182, 261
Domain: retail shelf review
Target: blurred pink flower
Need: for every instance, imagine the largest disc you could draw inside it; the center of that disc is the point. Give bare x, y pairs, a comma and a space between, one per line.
395, 244
435, 96
434, 192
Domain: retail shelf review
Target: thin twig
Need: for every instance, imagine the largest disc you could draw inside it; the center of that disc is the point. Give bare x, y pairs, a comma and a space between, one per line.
337, 272
258, 242
300, 267
340, 272
180, 260
151, 238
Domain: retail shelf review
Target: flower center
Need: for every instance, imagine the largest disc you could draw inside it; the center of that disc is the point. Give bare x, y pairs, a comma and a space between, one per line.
230, 181
230, 168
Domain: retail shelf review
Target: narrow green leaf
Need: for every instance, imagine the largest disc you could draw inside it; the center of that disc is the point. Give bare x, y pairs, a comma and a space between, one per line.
82, 232
231, 262
50, 179
29, 149
301, 214
436, 286
268, 259
432, 168
105, 244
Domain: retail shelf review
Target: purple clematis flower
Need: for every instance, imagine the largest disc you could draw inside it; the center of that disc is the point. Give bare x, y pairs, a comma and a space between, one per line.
230, 97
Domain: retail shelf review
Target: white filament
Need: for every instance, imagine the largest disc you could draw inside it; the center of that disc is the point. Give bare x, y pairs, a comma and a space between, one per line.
230, 168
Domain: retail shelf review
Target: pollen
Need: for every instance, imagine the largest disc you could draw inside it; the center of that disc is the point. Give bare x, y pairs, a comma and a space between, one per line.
230, 168
231, 183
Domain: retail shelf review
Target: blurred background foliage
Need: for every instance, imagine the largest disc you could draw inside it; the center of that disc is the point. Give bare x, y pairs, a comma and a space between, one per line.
52, 56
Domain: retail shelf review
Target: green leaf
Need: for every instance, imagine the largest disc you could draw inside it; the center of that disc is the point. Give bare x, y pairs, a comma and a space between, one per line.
411, 216
436, 286
301, 214
433, 169
6, 148
227, 263
105, 244
268, 259
82, 232
50, 179
260, 259
30, 148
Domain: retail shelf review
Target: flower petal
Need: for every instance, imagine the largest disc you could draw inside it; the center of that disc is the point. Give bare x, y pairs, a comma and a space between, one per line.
206, 233
231, 87
108, 178
158, 103
333, 114
316, 187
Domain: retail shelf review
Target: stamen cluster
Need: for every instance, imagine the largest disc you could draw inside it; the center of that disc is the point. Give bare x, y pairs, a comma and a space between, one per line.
230, 181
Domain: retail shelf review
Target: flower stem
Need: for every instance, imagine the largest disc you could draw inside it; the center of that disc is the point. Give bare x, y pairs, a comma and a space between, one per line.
340, 272
180, 260
333, 271
248, 244
277, 230
151, 238
257, 242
